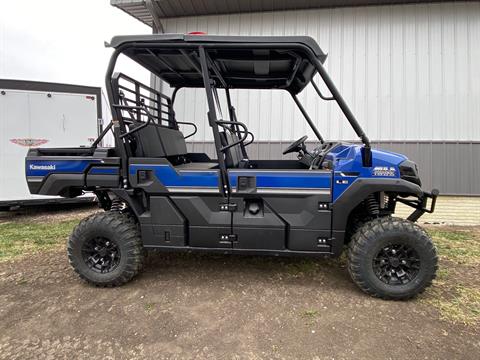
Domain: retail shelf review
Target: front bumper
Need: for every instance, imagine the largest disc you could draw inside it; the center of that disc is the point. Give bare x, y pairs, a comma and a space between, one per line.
421, 204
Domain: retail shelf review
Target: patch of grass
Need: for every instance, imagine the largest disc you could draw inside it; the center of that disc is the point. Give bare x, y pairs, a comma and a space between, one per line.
455, 294
442, 274
459, 246
27, 237
458, 304
310, 316
149, 307
304, 267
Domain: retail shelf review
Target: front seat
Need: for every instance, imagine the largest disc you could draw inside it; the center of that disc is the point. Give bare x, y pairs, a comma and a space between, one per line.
233, 155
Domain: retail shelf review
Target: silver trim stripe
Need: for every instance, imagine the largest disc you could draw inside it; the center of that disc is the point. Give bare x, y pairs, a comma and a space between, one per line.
296, 191
215, 190
290, 171
193, 190
35, 178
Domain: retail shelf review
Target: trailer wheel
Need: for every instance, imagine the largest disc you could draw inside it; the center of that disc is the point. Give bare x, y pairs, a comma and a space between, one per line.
392, 258
105, 249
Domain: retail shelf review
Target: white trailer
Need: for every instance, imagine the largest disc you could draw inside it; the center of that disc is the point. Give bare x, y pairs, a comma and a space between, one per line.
33, 114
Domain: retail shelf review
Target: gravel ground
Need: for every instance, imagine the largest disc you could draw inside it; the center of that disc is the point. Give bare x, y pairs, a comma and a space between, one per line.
214, 307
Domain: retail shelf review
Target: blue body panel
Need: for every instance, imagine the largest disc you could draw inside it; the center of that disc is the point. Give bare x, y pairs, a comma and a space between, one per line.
185, 178
289, 179
347, 166
345, 158
45, 167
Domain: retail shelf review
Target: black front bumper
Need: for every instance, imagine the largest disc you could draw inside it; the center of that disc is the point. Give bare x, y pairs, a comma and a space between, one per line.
421, 204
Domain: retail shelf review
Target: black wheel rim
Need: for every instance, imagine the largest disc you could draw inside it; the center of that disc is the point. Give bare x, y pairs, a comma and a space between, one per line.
101, 255
396, 264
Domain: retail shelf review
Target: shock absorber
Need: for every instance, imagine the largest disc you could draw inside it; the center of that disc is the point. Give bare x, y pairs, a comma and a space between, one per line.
372, 206
117, 205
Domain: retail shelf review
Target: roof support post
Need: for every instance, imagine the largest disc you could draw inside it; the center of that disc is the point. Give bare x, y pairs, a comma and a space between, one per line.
367, 150
233, 119
119, 129
212, 120
307, 117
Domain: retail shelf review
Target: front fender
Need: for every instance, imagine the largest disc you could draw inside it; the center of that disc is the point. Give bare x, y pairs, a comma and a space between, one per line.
359, 191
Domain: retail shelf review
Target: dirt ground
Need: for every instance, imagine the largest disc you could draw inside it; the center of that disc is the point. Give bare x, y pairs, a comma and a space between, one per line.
214, 307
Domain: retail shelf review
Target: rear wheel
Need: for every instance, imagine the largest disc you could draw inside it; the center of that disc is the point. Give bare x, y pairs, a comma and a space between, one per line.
392, 258
105, 249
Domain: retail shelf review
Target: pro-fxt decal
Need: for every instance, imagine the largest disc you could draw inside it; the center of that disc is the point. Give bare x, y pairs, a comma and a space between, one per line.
384, 171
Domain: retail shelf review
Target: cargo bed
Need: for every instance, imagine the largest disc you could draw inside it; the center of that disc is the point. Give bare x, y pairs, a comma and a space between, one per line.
69, 171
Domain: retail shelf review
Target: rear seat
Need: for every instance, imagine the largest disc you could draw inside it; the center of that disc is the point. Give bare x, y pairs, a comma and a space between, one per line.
156, 141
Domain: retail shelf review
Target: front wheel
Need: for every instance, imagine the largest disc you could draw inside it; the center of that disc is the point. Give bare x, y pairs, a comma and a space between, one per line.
105, 249
392, 258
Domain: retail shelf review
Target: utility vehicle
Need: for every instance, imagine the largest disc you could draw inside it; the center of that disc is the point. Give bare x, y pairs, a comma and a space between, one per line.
158, 195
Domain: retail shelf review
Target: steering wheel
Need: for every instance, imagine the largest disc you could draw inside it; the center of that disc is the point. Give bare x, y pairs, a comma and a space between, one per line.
296, 145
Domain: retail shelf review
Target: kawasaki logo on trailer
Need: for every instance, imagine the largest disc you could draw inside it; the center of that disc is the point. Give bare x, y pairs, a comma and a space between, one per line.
42, 167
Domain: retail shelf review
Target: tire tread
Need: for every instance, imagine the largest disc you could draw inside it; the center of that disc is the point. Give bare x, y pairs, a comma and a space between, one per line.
128, 234
357, 250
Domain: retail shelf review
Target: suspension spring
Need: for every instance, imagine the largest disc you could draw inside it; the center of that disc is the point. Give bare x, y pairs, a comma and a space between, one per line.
117, 205
372, 206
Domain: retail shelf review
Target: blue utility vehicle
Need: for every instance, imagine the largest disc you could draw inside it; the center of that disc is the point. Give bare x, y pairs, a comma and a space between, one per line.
159, 195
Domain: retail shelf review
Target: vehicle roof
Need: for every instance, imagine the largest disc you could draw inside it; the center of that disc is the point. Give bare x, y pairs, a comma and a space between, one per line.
253, 62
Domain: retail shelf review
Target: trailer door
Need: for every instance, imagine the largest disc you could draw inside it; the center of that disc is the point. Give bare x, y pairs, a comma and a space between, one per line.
39, 118
66, 120
14, 128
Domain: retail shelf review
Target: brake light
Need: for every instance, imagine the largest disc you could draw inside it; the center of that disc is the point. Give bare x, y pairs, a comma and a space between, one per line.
197, 33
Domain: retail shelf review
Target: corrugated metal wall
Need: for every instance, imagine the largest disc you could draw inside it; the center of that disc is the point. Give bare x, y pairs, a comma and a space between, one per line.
452, 167
411, 74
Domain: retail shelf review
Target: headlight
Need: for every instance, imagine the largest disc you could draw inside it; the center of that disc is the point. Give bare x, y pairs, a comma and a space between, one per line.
409, 172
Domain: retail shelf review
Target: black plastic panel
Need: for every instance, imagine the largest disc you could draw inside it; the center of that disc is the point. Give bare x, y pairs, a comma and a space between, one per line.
58, 184
309, 240
207, 223
166, 224
257, 226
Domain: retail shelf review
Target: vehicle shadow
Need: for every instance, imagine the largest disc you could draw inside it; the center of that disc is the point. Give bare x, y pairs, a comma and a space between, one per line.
220, 267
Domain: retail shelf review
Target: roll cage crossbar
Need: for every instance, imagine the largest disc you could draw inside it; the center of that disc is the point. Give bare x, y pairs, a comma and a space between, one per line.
213, 76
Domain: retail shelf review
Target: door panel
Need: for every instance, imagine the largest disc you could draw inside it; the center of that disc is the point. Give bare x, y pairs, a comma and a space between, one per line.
208, 225
309, 223
166, 226
296, 205
205, 223
256, 226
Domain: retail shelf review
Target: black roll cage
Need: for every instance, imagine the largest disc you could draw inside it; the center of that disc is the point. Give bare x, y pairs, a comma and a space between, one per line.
211, 75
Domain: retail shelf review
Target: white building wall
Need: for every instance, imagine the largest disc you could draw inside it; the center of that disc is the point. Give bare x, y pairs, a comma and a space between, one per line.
409, 72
